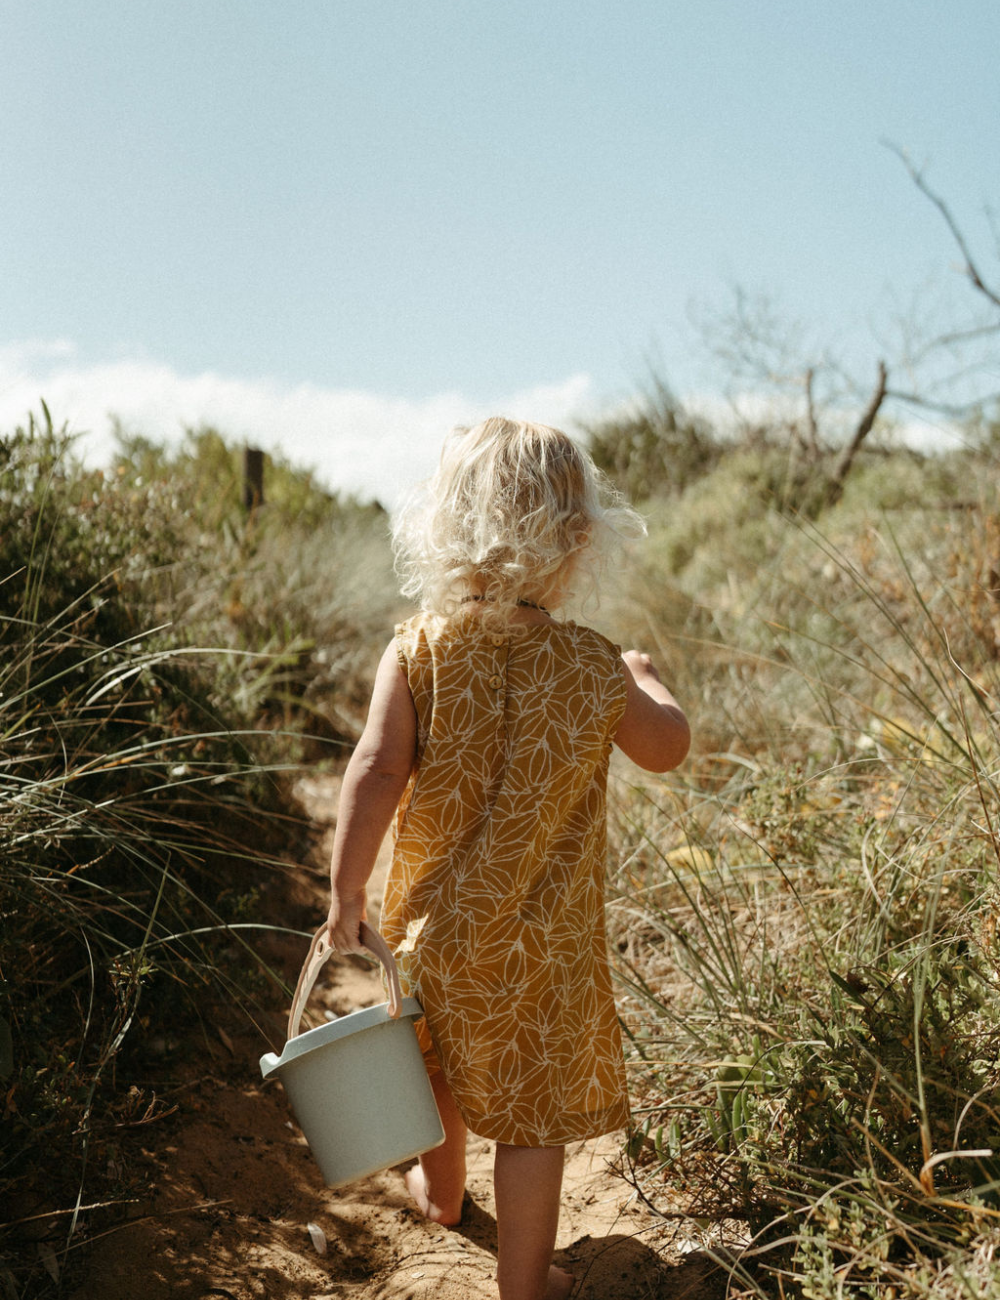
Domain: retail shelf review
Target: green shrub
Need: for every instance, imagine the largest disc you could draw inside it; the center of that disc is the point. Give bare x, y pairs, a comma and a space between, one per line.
163, 663
652, 447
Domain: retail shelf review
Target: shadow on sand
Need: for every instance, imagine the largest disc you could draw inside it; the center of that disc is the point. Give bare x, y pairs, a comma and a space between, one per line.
620, 1266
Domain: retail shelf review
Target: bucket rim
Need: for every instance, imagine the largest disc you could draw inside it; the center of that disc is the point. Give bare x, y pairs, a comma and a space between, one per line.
353, 1023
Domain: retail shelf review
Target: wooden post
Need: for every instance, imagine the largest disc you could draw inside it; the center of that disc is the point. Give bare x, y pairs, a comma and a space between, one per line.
253, 478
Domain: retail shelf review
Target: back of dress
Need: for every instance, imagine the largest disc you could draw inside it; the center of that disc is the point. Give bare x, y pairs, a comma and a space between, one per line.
495, 897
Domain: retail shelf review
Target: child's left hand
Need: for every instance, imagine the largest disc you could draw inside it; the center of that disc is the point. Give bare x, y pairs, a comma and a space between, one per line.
344, 921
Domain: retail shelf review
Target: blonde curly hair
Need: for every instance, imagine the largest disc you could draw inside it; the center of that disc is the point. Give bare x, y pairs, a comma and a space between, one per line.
508, 517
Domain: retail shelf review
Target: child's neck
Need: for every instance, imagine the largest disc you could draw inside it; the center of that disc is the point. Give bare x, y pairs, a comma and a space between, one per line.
533, 611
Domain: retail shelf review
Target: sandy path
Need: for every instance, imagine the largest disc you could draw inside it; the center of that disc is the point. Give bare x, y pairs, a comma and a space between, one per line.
225, 1190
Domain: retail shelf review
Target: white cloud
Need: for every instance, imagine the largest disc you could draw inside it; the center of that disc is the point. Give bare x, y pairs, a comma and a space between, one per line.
356, 441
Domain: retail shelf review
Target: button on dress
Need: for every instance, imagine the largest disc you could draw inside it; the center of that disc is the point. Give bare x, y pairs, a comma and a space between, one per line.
494, 902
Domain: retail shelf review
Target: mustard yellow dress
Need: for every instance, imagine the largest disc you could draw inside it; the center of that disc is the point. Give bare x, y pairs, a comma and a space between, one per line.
494, 902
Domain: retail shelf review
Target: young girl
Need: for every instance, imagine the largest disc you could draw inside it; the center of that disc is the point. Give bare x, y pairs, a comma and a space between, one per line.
488, 736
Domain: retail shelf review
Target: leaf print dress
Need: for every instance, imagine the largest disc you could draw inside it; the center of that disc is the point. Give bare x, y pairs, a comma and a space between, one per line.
495, 897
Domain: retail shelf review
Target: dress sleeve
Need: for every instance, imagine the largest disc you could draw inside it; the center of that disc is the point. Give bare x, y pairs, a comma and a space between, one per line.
406, 637
401, 657
616, 685
416, 661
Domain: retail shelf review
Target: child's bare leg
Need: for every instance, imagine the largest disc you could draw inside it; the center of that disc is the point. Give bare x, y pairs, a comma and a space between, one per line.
437, 1184
527, 1185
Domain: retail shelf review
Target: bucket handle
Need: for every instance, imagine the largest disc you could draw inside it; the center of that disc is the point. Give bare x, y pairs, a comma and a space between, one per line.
319, 950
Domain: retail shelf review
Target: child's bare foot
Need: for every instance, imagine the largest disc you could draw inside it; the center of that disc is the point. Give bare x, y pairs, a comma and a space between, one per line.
446, 1215
560, 1284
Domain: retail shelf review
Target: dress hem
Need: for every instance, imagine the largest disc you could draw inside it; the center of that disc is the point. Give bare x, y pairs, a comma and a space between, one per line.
493, 1132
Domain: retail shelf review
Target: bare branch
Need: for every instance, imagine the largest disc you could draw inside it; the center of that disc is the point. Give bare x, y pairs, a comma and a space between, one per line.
953, 410
754, 341
991, 217
971, 270
935, 368
835, 487
811, 426
967, 335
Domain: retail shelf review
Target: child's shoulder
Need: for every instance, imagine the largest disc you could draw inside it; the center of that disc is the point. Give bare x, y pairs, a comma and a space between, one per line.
419, 627
586, 635
424, 637
594, 648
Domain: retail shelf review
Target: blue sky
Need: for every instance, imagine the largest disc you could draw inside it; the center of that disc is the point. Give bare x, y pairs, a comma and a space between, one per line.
339, 227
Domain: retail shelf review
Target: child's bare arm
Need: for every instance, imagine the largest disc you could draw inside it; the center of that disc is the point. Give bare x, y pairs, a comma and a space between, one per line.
653, 731
373, 784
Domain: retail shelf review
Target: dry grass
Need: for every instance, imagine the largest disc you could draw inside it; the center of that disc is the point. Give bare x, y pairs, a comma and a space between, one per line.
805, 917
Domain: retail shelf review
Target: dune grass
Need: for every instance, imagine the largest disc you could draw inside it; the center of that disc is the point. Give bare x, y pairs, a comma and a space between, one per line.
805, 919
167, 662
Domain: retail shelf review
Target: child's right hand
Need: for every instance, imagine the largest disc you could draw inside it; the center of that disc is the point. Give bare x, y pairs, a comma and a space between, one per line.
640, 665
344, 921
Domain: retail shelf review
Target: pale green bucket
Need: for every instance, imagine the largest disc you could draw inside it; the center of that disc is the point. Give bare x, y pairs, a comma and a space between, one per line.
358, 1085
